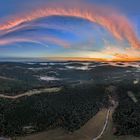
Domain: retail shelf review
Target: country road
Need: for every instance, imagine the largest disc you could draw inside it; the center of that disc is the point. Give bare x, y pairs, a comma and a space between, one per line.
32, 92
105, 125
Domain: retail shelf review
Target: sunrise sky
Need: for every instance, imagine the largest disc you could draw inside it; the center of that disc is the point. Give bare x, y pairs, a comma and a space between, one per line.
70, 29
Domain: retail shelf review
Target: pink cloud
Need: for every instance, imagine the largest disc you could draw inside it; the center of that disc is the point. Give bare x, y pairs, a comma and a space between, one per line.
114, 22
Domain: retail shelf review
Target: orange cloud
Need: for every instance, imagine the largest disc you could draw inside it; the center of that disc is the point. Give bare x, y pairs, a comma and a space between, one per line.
117, 53
122, 56
118, 25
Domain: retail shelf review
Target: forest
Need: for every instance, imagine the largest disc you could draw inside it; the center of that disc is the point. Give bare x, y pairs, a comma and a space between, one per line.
70, 109
127, 115
83, 94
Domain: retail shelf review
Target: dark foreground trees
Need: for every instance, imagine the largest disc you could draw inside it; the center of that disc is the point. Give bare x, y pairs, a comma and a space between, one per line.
70, 108
126, 117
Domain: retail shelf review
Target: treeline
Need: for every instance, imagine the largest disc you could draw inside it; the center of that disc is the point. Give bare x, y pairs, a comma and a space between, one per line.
70, 109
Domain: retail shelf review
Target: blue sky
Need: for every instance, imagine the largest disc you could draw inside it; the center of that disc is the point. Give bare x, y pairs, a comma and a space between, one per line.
67, 36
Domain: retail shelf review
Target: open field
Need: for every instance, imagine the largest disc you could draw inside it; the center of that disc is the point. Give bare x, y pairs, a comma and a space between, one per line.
90, 130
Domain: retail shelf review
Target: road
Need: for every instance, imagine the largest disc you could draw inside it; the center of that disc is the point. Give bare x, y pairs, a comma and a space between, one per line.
105, 125
32, 92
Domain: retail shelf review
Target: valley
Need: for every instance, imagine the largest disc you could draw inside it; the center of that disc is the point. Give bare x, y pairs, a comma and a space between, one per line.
68, 99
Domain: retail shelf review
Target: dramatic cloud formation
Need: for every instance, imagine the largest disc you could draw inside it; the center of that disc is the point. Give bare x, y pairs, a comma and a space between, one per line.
116, 24
86, 30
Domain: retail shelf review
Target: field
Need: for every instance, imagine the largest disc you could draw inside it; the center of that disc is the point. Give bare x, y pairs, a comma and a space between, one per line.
90, 130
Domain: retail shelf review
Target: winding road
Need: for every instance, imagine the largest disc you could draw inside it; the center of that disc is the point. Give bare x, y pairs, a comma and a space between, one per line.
105, 125
32, 92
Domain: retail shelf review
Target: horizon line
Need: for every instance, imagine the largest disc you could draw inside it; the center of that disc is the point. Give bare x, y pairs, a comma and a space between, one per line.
68, 59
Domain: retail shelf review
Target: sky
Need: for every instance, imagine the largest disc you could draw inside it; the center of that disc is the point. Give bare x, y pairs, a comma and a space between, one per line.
93, 29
